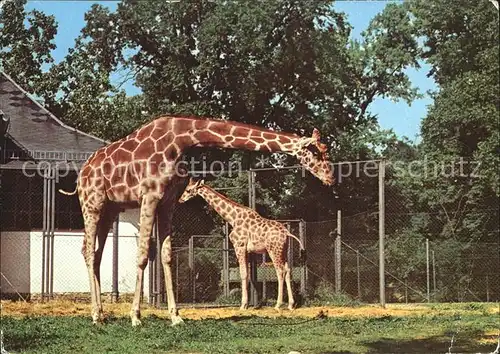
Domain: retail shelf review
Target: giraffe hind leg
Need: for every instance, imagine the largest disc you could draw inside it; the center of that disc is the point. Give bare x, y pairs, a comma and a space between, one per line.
108, 216
166, 259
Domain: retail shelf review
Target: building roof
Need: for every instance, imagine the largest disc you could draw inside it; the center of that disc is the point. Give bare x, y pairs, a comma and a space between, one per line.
37, 131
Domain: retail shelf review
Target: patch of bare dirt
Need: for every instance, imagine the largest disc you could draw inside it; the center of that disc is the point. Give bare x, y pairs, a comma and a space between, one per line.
70, 308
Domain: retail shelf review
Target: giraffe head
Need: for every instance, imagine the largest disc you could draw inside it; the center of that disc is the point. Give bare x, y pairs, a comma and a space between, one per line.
191, 190
313, 156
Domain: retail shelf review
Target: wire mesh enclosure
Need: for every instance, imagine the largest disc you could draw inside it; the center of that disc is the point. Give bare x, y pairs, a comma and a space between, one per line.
427, 253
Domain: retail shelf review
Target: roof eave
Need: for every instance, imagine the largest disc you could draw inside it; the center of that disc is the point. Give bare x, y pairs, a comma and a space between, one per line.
50, 113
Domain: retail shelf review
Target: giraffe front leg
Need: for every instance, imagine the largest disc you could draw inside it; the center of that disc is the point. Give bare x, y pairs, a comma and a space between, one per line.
148, 207
166, 258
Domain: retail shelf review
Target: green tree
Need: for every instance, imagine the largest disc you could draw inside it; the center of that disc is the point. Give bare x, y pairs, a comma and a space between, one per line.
26, 42
282, 64
453, 196
286, 65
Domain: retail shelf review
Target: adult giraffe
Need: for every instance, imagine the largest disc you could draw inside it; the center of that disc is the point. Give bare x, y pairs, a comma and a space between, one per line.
141, 171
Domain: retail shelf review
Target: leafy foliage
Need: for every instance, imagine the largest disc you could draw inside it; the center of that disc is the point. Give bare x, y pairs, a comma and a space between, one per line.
284, 65
453, 192
25, 49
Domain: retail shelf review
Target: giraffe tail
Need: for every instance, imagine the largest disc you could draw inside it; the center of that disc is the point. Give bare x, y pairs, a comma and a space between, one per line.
67, 193
303, 254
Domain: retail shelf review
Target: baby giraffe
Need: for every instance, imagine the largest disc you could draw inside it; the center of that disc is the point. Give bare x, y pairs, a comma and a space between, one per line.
251, 233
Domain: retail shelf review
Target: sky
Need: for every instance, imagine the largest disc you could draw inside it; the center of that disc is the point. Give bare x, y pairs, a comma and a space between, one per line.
402, 118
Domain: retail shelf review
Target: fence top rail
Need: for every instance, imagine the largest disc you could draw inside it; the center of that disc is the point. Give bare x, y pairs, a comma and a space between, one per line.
300, 166
227, 188
275, 168
206, 236
41, 165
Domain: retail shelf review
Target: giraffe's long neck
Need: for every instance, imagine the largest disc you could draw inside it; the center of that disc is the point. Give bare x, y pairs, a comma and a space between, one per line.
227, 134
225, 207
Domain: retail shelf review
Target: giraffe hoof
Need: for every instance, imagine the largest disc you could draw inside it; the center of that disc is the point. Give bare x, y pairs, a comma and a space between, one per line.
136, 322
97, 318
176, 320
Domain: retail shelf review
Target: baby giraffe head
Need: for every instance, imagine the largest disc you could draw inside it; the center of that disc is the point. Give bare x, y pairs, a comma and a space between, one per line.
191, 190
313, 156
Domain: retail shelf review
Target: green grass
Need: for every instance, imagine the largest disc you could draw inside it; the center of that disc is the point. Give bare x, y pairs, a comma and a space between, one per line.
423, 334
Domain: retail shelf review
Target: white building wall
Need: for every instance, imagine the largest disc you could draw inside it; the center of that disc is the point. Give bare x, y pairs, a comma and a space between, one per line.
15, 262
21, 262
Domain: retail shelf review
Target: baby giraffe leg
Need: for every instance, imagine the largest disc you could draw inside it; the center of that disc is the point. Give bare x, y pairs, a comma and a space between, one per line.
280, 274
288, 280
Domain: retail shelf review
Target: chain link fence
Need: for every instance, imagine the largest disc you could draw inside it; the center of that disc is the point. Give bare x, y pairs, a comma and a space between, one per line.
422, 260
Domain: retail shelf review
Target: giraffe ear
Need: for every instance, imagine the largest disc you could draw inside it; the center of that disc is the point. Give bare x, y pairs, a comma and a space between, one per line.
316, 135
201, 183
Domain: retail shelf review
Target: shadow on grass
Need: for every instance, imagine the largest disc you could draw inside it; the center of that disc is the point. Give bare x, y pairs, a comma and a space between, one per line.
21, 342
464, 342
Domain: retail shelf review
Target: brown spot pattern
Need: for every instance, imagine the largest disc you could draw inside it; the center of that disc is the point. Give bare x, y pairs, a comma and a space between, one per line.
145, 131
144, 150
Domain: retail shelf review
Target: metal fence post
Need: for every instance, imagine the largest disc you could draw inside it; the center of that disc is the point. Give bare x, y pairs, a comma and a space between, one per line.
48, 233
52, 232
381, 230
177, 276
434, 274
191, 264
153, 290
160, 279
225, 256
487, 289
114, 290
406, 290
264, 282
338, 254
428, 270
151, 282
303, 271
44, 232
358, 274
252, 258
290, 251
